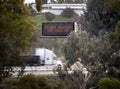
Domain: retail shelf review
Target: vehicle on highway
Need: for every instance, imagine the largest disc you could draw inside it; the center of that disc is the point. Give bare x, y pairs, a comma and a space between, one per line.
42, 57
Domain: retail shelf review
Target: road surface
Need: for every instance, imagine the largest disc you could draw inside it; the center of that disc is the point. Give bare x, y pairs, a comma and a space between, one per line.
35, 70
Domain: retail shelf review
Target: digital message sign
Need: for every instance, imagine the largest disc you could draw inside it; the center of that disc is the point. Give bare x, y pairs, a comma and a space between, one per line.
57, 28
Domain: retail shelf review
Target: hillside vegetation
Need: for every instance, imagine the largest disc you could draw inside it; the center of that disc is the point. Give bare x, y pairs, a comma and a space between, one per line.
41, 18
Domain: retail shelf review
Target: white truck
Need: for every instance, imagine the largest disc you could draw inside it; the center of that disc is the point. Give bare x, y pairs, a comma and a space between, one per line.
47, 57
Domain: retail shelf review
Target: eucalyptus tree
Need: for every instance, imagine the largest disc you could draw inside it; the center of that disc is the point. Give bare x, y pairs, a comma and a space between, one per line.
16, 31
39, 4
89, 49
94, 53
113, 3
117, 32
100, 17
70, 48
116, 6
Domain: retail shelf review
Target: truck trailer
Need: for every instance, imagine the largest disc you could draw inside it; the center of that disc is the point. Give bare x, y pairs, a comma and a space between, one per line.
48, 56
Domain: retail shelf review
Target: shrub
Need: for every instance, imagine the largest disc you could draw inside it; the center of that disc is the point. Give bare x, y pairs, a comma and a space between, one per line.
93, 82
49, 16
68, 13
28, 82
64, 84
34, 82
43, 83
10, 83
109, 83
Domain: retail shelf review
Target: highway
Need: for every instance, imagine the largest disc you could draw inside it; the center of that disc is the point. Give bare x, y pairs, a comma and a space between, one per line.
37, 70
48, 69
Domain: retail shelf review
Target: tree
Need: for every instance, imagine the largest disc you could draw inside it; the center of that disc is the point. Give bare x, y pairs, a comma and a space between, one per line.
89, 49
16, 32
68, 13
34, 82
38, 4
94, 53
109, 83
70, 48
100, 17
116, 6
118, 32
49, 16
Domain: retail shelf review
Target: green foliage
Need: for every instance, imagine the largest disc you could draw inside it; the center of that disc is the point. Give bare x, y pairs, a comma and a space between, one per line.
63, 84
33, 12
109, 83
112, 72
68, 13
49, 16
100, 17
28, 82
69, 48
94, 53
15, 35
89, 49
114, 4
34, 82
12, 6
39, 19
38, 4
93, 82
116, 62
10, 83
118, 32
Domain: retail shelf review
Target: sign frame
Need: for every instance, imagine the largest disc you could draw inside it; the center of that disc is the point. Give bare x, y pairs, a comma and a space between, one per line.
57, 29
